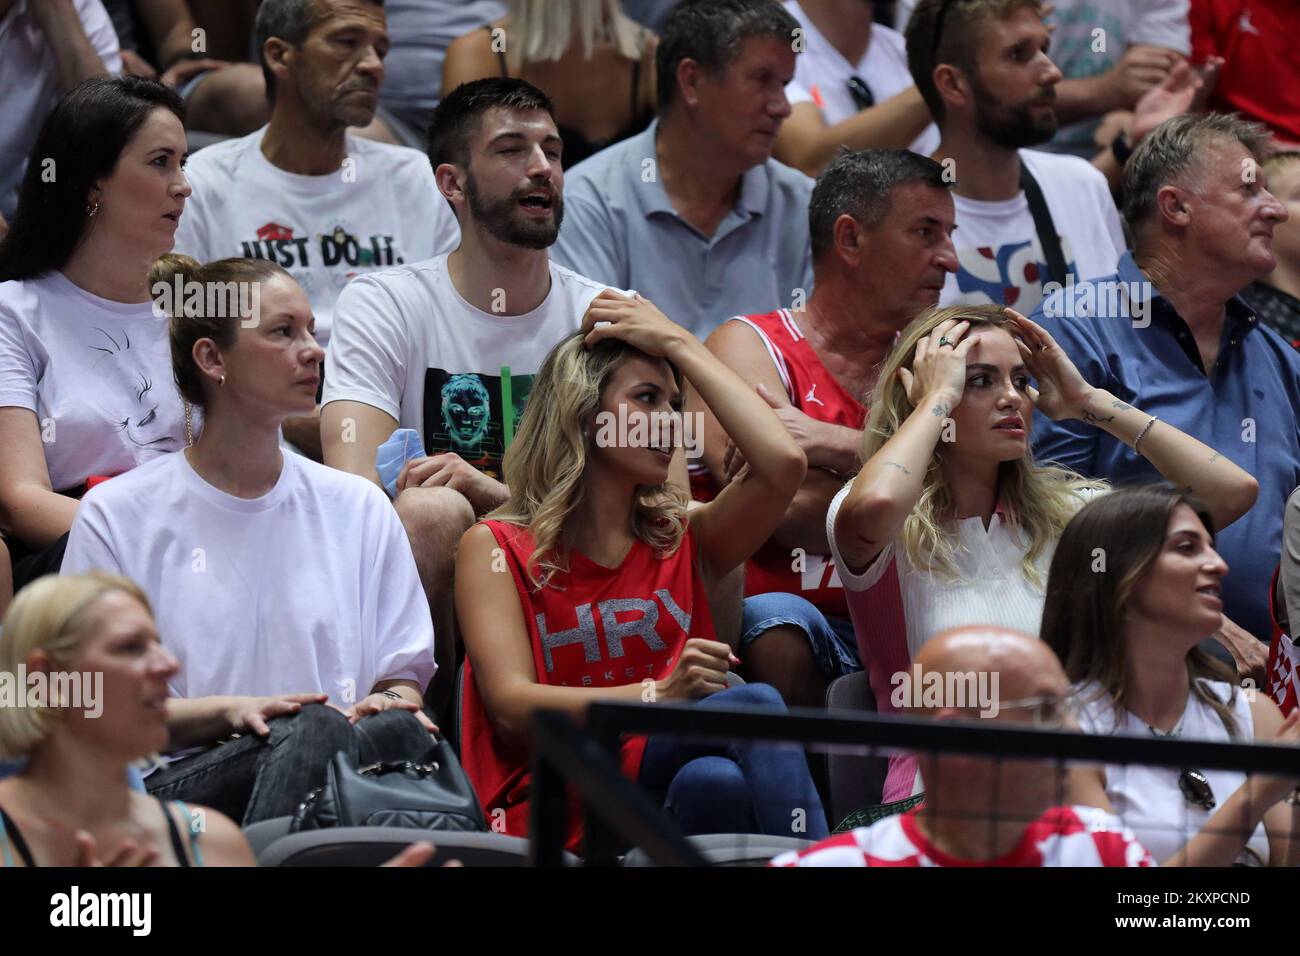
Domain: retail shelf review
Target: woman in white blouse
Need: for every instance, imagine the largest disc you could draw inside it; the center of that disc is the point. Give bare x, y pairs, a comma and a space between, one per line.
950, 522
1128, 639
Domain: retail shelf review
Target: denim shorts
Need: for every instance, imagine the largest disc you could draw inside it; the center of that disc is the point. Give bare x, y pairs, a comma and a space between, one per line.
834, 644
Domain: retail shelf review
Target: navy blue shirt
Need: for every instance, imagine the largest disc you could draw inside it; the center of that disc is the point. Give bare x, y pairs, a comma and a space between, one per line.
1126, 338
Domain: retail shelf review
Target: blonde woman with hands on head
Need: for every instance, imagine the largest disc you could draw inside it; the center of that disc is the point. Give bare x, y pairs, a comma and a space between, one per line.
604, 591
951, 522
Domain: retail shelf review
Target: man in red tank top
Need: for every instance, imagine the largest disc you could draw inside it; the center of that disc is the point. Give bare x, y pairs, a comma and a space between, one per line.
881, 224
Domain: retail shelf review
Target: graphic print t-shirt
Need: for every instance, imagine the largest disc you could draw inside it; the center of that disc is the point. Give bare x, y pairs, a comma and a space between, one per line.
407, 343
1000, 259
97, 373
381, 209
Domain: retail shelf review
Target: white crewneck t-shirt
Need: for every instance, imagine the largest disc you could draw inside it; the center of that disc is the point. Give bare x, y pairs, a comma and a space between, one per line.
1147, 799
999, 257
406, 342
821, 74
381, 209
97, 373
311, 588
897, 607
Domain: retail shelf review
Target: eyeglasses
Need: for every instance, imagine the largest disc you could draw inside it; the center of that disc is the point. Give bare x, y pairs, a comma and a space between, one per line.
1046, 711
863, 98
1196, 789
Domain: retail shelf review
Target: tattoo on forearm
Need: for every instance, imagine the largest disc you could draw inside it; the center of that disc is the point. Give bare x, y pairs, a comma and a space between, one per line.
1215, 457
895, 464
1122, 406
942, 410
1096, 419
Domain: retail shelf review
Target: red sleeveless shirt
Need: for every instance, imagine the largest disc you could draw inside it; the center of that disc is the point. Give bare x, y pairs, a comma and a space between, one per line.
590, 627
813, 390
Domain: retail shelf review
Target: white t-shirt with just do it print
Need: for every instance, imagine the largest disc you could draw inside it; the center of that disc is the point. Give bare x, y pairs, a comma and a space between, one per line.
381, 209
97, 374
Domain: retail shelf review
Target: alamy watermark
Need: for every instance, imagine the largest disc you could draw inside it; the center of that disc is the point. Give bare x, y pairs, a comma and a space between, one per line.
1109, 298
638, 429
963, 690
76, 690
213, 300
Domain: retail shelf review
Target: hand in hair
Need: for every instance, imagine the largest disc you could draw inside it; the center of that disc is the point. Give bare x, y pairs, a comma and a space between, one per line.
939, 370
1062, 392
635, 321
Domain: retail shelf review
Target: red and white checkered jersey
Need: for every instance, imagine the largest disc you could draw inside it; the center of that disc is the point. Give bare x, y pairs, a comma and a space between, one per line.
1063, 836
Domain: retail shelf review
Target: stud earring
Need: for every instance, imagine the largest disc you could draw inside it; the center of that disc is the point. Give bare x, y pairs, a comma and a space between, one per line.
92, 210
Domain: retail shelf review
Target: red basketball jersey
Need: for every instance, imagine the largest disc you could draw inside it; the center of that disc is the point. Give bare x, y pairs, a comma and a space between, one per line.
814, 391
590, 627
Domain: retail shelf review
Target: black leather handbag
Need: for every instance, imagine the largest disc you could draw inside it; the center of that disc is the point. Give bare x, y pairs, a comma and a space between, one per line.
432, 793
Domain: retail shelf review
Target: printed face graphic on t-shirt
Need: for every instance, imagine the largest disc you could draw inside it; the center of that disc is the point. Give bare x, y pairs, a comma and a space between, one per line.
465, 409
473, 415
1011, 275
131, 396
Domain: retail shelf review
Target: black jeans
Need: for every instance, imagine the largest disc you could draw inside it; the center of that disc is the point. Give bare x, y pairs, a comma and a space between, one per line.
258, 778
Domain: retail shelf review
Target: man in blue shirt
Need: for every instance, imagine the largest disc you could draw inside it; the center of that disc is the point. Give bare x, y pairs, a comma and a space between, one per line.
1168, 333
694, 213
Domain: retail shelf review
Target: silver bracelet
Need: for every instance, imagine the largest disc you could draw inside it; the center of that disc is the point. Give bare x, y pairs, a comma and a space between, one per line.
1142, 434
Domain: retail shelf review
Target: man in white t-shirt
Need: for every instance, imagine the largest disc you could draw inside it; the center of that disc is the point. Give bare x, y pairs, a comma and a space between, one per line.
300, 191
449, 346
979, 811
46, 48
851, 88
992, 89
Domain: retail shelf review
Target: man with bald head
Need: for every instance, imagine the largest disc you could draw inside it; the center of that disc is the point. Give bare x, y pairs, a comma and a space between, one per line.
980, 811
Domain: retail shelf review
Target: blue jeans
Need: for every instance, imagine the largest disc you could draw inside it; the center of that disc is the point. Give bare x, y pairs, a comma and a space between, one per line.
834, 645
740, 787
256, 778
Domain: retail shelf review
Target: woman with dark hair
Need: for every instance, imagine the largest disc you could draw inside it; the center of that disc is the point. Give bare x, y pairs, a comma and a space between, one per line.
280, 585
589, 583
85, 374
1133, 589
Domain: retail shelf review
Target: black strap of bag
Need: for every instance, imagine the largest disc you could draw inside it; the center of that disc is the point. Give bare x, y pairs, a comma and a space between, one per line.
1043, 225
432, 793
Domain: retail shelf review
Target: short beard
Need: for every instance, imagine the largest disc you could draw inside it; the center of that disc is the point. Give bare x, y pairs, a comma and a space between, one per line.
1011, 127
502, 219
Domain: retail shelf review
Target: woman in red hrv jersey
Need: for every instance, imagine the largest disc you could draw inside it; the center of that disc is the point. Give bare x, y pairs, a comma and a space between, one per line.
589, 584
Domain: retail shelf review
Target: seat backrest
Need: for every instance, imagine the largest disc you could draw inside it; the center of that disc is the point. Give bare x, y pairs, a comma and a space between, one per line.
854, 781
731, 849
371, 846
262, 834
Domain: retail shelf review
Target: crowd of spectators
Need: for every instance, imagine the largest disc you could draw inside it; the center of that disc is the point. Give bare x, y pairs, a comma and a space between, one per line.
373, 370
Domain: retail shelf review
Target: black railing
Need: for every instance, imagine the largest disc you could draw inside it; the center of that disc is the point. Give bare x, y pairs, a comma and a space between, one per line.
616, 812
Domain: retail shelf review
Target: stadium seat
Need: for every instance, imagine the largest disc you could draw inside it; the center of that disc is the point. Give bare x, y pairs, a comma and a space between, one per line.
371, 846
262, 834
854, 781
730, 849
